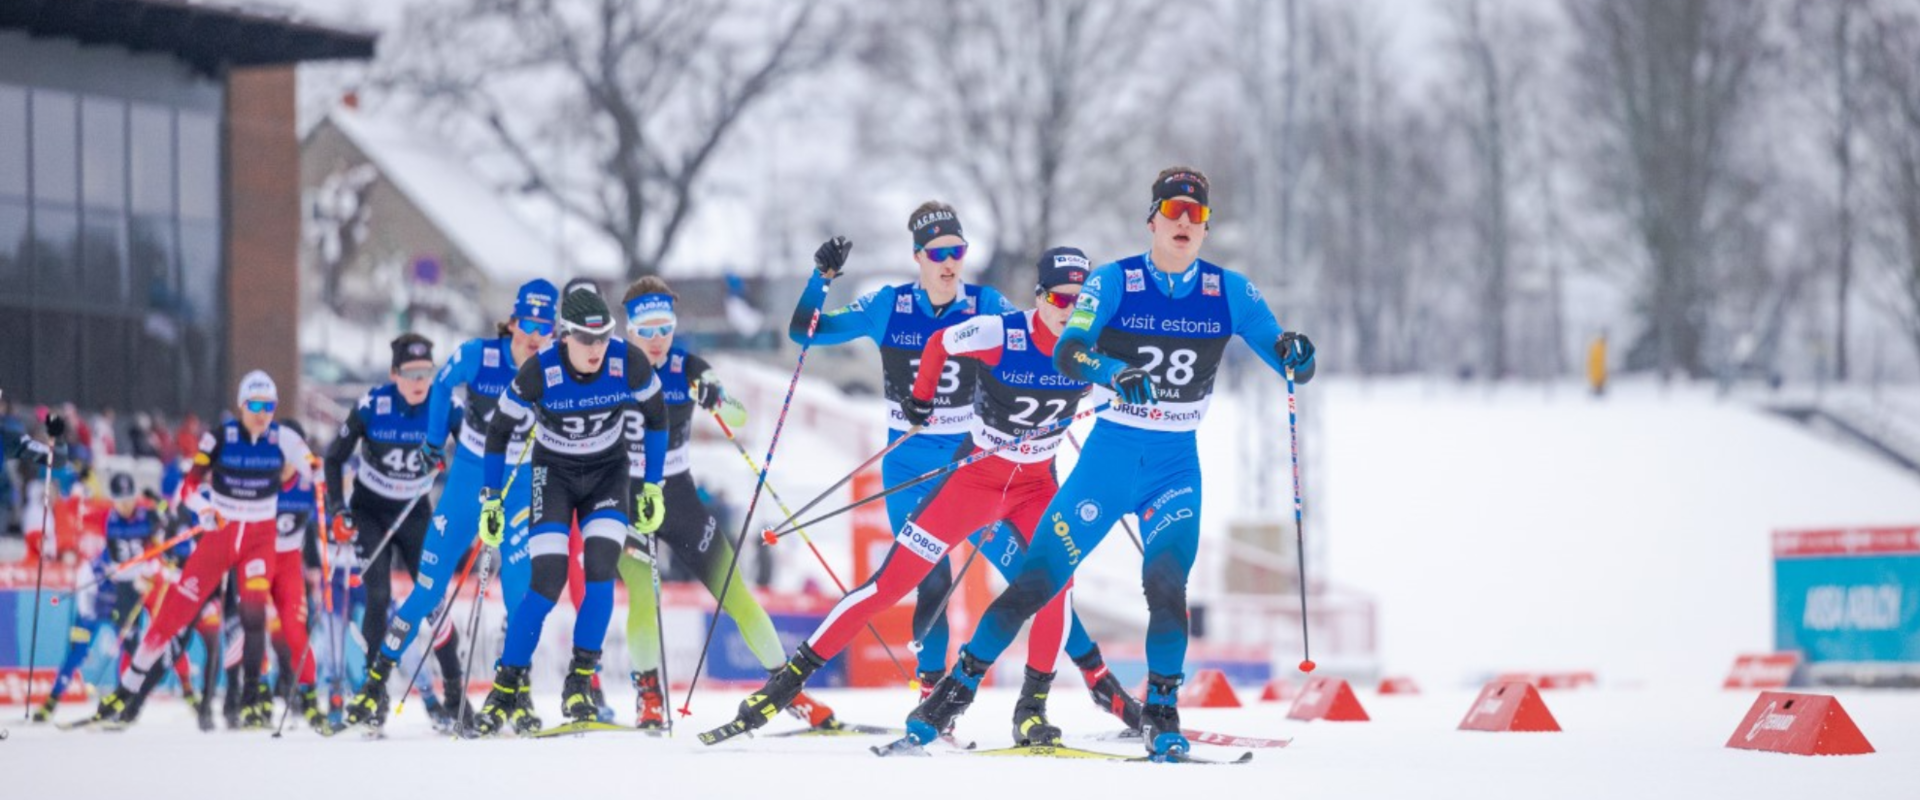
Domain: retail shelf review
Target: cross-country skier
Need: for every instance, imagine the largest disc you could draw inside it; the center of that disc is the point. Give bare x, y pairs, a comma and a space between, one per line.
577, 395
1150, 331
132, 526
1020, 390
388, 428
687, 381
234, 487
900, 319
483, 367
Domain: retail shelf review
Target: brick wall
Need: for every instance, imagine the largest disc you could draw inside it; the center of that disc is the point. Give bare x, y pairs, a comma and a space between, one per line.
263, 230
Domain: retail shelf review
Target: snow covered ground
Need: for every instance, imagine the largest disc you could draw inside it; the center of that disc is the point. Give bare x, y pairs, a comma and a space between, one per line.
1617, 743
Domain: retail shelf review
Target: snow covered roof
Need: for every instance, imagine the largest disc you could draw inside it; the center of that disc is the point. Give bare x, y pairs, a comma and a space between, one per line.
472, 214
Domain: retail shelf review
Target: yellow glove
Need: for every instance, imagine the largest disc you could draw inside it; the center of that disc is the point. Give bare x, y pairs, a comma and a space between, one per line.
493, 520
733, 412
651, 510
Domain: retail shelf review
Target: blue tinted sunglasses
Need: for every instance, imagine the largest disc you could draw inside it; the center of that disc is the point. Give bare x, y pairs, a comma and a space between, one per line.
651, 331
260, 406
950, 253
534, 327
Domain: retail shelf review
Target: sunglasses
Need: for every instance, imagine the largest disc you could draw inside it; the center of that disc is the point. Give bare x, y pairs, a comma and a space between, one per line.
259, 406
651, 331
1195, 212
943, 254
1059, 299
588, 338
416, 374
534, 327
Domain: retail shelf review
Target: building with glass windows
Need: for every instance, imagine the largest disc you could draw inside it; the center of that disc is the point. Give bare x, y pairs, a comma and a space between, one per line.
149, 200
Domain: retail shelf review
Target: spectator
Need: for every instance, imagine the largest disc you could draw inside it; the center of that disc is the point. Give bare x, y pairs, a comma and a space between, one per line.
1597, 365
11, 429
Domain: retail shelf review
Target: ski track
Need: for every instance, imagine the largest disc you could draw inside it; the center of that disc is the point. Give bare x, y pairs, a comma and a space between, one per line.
1643, 743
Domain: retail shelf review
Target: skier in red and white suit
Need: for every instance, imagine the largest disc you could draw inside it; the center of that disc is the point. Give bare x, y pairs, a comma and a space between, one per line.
1020, 390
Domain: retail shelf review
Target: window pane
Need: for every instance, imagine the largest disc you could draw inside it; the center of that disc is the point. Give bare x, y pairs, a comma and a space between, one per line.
17, 357
56, 252
56, 352
56, 157
151, 256
106, 382
103, 153
103, 257
199, 167
201, 279
152, 159
158, 364
15, 269
13, 141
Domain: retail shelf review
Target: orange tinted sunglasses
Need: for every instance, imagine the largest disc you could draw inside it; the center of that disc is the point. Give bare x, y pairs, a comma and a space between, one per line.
1195, 212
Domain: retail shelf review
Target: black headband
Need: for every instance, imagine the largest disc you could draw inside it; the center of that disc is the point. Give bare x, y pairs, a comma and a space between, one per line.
933, 225
1181, 184
411, 349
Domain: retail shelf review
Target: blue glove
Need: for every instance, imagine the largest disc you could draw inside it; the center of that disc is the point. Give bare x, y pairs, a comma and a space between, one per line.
1135, 386
433, 455
1295, 352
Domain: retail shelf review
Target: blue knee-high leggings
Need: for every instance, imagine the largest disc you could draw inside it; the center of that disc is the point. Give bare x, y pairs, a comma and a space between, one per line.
1155, 474
456, 521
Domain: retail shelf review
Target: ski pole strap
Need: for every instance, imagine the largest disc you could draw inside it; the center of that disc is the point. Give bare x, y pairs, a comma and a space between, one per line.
977, 457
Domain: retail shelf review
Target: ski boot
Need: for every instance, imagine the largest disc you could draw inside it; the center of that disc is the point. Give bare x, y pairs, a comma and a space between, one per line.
950, 698
818, 716
1107, 692
510, 701
783, 686
649, 704
307, 699
44, 713
1030, 725
1160, 718
119, 706
256, 710
449, 714
203, 714
925, 680
577, 702
369, 706
602, 711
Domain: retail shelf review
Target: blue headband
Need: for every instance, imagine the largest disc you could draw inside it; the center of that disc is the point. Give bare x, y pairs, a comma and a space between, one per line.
648, 304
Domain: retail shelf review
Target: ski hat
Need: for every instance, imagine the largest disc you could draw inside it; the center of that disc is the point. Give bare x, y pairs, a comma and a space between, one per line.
580, 284
585, 313
536, 300
409, 347
120, 486
1062, 265
257, 385
933, 225
1183, 183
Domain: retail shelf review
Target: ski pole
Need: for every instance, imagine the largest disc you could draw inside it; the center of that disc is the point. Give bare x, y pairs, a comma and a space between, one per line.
1299, 524
940, 610
148, 555
324, 543
485, 569
904, 675
660, 624
978, 456
40, 569
1131, 533
746, 523
441, 616
399, 520
875, 458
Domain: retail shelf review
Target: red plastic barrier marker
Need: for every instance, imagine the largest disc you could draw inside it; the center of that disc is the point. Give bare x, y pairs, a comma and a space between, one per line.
1762, 671
1509, 706
1278, 690
1800, 724
1208, 689
1330, 699
1398, 685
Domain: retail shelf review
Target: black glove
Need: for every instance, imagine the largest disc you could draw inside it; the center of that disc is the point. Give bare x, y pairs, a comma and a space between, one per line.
917, 411
1295, 351
1135, 386
707, 393
832, 256
56, 426
33, 451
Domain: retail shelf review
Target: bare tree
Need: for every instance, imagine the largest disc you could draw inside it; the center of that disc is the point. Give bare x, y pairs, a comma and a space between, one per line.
612, 109
1891, 123
1490, 51
1667, 84
1022, 102
1830, 33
